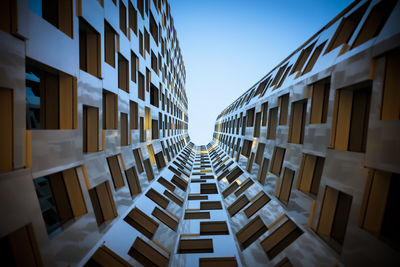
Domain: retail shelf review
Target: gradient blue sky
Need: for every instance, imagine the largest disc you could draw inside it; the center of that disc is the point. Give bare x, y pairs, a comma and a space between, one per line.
227, 46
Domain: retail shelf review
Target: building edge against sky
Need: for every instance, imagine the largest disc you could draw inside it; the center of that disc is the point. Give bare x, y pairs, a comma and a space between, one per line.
97, 167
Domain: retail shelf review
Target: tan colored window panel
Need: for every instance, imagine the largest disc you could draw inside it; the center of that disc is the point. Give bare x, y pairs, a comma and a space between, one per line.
115, 171
90, 119
214, 228
141, 222
132, 18
239, 204
277, 160
157, 198
89, 49
230, 189
272, 123
210, 205
110, 110
246, 150
74, 192
314, 58
22, 248
122, 17
146, 254
133, 181
334, 215
124, 130
197, 215
174, 197
166, 184
7, 133
297, 122
391, 94
165, 218
149, 169
262, 171
141, 94
283, 108
160, 160
208, 188
197, 197
249, 164
195, 246
251, 232
259, 153
286, 185
235, 173
281, 238
138, 159
179, 182
218, 262
106, 257
285, 262
310, 173
109, 44
320, 101
244, 186
103, 203
123, 73
258, 204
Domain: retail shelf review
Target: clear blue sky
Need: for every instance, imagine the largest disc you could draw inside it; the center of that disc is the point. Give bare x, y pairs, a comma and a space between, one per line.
227, 46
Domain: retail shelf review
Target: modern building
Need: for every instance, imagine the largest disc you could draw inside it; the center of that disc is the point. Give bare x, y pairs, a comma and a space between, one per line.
97, 167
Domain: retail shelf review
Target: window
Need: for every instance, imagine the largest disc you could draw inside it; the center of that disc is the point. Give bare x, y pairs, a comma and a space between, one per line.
247, 144
235, 173
124, 130
165, 218
297, 122
56, 12
286, 185
90, 120
60, 198
154, 62
257, 205
110, 37
140, 7
310, 173
272, 123
146, 41
251, 232
277, 160
115, 172
146, 254
148, 79
141, 94
7, 133
89, 49
179, 182
174, 197
379, 212
280, 238
160, 160
166, 184
153, 28
51, 98
301, 60
104, 256
141, 222
110, 110
350, 118
214, 228
154, 98
244, 186
334, 215
20, 248
122, 17
142, 134
157, 198
132, 18
264, 110
195, 246
141, 44
314, 58
230, 189
283, 108
155, 132
8, 14
319, 101
123, 73
346, 28
237, 205
133, 181
391, 94
259, 153
134, 66
222, 261
103, 203
375, 21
